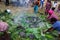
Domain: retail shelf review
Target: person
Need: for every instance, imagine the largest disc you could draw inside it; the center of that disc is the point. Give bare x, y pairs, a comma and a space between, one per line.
38, 2
48, 6
41, 3
0, 0
3, 29
7, 3
32, 1
26, 3
18, 3
54, 4
58, 8
36, 7
51, 13
55, 26
15, 3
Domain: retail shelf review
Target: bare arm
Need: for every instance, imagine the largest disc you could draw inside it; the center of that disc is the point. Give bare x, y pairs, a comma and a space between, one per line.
49, 30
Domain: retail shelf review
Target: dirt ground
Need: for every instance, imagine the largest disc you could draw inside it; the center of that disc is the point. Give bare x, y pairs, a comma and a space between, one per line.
15, 10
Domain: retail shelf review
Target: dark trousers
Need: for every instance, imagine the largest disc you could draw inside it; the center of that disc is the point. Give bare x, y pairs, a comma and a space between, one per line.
5, 36
7, 2
0, 0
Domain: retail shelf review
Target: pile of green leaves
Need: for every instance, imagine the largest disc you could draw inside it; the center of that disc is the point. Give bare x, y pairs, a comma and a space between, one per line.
37, 33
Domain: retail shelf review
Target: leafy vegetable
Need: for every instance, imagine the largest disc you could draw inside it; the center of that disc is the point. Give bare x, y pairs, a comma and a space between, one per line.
34, 33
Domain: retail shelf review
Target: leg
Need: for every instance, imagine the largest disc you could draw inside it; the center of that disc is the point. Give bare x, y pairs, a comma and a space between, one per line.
7, 2
0, 0
42, 4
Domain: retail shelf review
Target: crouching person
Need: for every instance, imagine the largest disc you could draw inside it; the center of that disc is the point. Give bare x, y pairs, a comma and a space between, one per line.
55, 26
51, 14
3, 29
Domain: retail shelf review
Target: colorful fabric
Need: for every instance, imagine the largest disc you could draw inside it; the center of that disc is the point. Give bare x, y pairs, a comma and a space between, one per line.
41, 4
54, 4
56, 25
42, 1
51, 12
48, 6
58, 10
35, 8
3, 26
53, 16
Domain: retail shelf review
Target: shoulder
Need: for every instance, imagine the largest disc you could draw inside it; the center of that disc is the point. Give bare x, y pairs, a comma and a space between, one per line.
56, 25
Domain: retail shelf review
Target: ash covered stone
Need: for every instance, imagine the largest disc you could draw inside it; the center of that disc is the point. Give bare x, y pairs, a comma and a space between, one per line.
31, 36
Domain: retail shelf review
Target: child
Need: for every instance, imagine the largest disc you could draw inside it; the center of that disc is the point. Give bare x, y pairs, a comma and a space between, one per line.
48, 6
36, 7
51, 14
58, 8
55, 26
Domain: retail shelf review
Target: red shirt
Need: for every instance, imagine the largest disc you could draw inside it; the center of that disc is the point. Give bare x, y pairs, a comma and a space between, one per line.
51, 12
